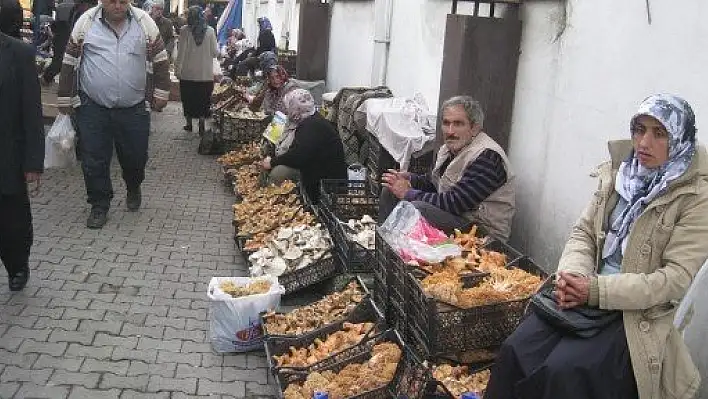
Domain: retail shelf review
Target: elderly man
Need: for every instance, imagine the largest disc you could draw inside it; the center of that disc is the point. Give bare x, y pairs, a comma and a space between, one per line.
21, 144
471, 182
123, 65
164, 25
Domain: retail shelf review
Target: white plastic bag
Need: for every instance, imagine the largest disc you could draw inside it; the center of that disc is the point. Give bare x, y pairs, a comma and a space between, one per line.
62, 133
413, 238
59, 144
234, 323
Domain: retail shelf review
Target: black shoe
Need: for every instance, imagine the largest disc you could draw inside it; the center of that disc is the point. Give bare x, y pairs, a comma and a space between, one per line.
19, 280
134, 199
97, 219
187, 128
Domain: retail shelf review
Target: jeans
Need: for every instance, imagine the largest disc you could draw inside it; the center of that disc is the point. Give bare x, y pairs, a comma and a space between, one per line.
16, 233
101, 127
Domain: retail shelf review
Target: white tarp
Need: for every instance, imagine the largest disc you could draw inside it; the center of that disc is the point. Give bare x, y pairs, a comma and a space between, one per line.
402, 125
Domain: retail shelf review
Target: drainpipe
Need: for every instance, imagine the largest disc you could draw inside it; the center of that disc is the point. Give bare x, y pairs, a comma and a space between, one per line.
383, 15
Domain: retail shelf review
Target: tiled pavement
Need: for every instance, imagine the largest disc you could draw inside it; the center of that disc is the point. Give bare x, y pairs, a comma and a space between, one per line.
121, 312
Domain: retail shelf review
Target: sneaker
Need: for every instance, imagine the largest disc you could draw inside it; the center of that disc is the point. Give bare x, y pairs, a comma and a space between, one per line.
97, 219
134, 199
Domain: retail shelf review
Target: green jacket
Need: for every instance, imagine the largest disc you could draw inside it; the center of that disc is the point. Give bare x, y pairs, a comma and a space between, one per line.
667, 246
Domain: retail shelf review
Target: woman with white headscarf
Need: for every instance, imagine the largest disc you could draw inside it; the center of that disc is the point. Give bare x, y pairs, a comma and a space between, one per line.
309, 145
631, 258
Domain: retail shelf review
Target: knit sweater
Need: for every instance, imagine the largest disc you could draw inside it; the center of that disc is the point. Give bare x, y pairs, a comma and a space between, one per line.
157, 84
480, 179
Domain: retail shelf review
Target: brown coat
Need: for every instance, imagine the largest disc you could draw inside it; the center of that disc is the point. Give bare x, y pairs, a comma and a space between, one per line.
667, 246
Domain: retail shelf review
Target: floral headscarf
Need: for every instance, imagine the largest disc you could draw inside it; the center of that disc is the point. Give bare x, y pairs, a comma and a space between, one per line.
639, 185
299, 105
197, 23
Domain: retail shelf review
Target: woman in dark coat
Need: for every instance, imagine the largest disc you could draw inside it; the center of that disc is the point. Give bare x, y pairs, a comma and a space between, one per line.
316, 150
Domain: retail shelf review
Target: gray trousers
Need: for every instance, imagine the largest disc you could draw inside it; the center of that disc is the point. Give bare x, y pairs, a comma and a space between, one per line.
443, 220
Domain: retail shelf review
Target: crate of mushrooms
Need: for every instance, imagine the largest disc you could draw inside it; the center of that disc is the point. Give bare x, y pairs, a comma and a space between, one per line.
299, 256
350, 210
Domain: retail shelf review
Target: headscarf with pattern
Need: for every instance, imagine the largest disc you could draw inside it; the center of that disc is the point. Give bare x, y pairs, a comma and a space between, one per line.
299, 105
264, 24
197, 23
639, 185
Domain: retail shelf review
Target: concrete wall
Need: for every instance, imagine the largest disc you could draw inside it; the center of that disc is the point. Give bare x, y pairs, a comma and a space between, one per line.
583, 70
584, 67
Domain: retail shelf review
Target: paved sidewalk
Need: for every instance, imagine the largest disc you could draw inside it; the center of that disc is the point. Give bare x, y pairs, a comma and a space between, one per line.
121, 312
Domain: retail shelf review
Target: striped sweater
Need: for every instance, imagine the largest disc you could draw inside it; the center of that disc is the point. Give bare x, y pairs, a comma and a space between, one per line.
158, 66
481, 178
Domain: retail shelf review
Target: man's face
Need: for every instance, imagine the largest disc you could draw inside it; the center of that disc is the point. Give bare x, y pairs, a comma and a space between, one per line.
457, 129
116, 10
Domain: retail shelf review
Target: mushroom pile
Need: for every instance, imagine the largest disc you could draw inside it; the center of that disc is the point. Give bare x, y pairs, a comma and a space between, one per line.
293, 248
362, 231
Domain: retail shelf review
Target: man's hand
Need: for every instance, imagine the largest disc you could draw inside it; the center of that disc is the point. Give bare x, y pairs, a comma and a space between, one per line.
33, 179
265, 164
158, 104
397, 182
572, 290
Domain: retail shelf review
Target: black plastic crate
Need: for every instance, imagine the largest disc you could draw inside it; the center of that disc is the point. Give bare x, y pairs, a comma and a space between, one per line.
367, 312
317, 272
410, 379
442, 328
236, 131
437, 390
365, 296
379, 160
340, 201
528, 265
512, 255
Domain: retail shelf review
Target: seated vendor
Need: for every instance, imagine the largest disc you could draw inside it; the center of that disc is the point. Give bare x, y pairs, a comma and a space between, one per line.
271, 96
636, 250
471, 182
310, 146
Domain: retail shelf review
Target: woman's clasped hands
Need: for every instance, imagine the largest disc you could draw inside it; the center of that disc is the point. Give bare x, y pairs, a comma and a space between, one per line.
571, 290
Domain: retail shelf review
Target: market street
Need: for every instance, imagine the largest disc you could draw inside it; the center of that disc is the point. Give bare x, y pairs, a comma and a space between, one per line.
121, 312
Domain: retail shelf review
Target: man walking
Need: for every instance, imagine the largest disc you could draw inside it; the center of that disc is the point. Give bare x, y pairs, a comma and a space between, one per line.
115, 61
21, 146
164, 25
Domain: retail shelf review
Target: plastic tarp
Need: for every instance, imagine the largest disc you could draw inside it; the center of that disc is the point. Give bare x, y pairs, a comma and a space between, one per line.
231, 18
402, 125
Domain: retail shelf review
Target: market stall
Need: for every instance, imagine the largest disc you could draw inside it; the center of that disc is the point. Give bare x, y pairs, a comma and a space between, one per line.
407, 311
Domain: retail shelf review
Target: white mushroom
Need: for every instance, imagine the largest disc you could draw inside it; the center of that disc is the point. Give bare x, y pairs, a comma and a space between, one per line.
276, 267
285, 233
366, 219
292, 253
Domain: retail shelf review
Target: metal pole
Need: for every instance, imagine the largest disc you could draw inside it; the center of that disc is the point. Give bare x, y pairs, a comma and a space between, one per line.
476, 8
454, 6
491, 10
